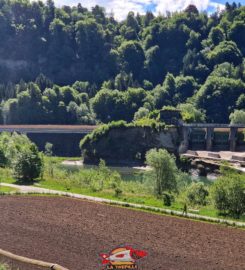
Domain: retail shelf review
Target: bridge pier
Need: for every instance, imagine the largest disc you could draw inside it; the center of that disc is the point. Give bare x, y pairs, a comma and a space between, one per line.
232, 138
212, 139
184, 146
209, 138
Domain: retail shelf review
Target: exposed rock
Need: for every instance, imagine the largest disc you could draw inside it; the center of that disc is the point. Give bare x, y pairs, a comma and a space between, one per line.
128, 145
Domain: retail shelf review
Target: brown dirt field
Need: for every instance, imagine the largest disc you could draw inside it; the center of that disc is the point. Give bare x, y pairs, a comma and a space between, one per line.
74, 232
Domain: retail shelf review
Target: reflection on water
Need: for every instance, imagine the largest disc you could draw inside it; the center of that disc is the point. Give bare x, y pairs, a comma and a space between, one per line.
127, 173
135, 173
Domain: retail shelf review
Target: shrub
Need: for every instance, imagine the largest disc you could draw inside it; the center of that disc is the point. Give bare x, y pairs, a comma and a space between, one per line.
27, 164
228, 194
118, 192
141, 113
237, 117
11, 145
48, 149
197, 194
164, 172
168, 199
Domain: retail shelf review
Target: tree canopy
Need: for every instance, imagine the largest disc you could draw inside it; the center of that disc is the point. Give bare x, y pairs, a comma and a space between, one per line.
73, 65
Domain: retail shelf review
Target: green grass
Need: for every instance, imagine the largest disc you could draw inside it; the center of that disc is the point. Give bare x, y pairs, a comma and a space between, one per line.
145, 199
4, 189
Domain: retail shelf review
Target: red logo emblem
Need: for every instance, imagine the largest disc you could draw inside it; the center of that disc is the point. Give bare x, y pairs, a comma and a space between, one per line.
122, 258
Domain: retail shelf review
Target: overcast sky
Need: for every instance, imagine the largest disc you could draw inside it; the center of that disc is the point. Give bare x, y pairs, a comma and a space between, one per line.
120, 8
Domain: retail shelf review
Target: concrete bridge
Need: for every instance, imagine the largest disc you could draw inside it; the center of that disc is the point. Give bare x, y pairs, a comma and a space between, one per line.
25, 129
212, 136
65, 138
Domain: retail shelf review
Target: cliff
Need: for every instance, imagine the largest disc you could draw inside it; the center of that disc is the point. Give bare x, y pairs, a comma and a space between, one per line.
127, 145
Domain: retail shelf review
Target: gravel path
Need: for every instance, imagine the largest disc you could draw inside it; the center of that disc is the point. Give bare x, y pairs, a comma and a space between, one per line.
37, 190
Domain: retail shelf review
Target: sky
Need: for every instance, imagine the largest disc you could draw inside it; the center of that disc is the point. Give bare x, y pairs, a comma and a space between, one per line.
120, 8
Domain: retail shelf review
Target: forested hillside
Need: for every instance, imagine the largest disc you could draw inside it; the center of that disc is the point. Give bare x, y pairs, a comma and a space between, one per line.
71, 65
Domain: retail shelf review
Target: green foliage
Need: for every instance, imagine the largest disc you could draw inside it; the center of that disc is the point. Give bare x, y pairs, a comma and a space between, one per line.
218, 97
226, 51
216, 35
197, 194
103, 130
11, 145
141, 113
27, 165
168, 199
132, 55
71, 65
3, 158
21, 155
228, 193
190, 114
237, 117
48, 149
164, 170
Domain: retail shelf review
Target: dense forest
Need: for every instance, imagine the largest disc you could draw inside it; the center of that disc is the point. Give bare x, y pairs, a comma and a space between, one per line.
71, 65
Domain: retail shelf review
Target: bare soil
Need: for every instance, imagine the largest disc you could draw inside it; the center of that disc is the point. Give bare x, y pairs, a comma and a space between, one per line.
73, 233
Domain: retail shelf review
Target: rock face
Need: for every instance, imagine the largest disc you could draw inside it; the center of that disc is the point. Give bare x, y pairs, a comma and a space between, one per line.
128, 145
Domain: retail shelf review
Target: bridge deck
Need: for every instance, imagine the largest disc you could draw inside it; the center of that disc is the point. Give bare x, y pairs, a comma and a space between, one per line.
211, 125
47, 128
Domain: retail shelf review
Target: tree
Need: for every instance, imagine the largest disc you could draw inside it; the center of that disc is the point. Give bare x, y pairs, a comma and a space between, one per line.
133, 57
109, 105
191, 114
241, 102
43, 82
163, 94
27, 165
225, 70
237, 34
218, 97
216, 35
228, 194
226, 51
21, 155
164, 170
191, 9
184, 88
141, 113
237, 117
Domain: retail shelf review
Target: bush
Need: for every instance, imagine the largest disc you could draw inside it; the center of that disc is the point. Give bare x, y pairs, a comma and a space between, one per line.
11, 145
237, 117
228, 194
164, 172
48, 149
141, 113
191, 114
27, 164
197, 194
118, 192
168, 199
